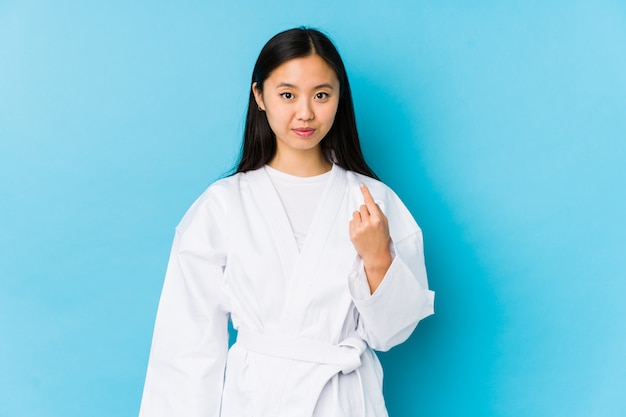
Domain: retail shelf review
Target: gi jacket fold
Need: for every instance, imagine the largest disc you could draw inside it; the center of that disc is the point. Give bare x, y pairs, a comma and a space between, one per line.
235, 255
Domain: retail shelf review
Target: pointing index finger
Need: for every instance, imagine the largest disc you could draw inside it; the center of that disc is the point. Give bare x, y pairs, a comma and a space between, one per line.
367, 197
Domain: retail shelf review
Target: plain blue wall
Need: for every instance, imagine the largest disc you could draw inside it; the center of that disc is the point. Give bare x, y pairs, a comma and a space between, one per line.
501, 124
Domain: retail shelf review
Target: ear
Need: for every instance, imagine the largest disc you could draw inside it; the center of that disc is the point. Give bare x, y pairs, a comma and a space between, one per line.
258, 96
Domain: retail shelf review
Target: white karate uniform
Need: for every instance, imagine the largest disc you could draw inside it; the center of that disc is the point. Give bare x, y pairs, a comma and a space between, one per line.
305, 319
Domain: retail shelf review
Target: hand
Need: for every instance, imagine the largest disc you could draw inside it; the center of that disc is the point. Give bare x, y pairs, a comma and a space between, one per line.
369, 233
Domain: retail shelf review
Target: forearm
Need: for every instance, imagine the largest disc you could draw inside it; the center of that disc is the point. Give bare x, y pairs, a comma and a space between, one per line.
376, 268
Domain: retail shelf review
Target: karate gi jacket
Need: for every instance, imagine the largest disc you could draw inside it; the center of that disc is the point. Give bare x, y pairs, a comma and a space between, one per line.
307, 323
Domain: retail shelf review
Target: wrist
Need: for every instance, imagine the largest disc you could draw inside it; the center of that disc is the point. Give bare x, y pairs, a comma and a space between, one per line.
378, 264
376, 269
378, 260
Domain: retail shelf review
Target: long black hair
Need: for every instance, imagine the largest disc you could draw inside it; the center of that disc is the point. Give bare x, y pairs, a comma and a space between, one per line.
341, 144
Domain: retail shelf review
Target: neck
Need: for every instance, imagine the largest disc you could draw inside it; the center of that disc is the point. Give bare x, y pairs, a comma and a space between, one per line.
301, 165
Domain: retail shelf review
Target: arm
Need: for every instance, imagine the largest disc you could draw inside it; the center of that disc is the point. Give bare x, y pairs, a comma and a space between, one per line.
186, 367
393, 298
389, 316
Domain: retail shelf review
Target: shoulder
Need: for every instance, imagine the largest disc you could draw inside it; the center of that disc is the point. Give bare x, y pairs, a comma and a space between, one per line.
212, 206
225, 189
379, 190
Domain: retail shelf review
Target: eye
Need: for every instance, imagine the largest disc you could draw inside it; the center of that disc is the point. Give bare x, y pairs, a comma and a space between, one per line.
287, 96
321, 96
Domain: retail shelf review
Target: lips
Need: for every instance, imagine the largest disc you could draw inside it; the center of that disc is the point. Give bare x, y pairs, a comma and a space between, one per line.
304, 132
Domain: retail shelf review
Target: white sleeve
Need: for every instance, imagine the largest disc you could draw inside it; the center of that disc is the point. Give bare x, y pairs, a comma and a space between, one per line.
389, 316
186, 367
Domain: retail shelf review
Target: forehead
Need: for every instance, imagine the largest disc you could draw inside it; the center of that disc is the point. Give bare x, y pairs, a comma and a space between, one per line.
303, 73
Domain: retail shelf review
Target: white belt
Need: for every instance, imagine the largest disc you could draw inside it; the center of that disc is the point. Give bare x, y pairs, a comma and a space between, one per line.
346, 355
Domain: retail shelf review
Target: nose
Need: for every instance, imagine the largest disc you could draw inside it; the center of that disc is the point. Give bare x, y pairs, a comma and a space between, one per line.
305, 111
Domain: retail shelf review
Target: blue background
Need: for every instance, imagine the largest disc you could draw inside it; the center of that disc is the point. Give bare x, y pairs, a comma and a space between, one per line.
501, 125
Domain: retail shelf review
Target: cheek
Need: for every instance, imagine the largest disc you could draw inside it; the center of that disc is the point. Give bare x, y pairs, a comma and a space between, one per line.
326, 111
281, 111
329, 116
275, 119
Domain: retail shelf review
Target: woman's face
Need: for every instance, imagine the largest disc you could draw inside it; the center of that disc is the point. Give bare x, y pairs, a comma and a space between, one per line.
300, 98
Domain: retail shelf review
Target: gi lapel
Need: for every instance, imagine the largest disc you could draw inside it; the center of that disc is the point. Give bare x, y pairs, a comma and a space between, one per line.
274, 214
325, 220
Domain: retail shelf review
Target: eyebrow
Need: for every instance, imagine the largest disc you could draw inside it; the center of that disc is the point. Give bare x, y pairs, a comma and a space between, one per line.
317, 87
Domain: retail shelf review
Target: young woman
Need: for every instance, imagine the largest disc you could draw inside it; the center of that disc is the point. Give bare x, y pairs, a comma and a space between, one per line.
313, 259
